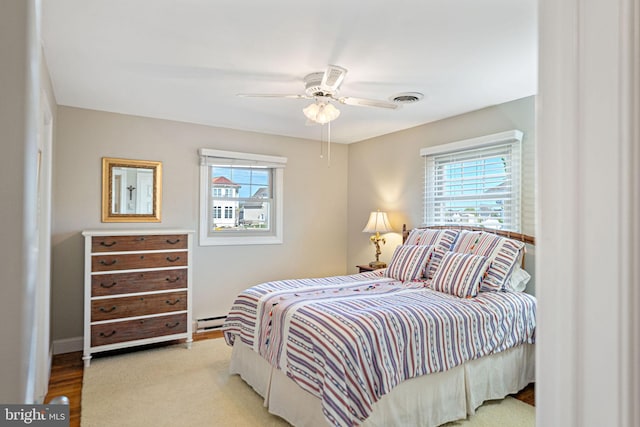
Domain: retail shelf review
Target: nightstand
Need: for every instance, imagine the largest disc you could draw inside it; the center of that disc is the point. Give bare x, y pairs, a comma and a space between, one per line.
363, 268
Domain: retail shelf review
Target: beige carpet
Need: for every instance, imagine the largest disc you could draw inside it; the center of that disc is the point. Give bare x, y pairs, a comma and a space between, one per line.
172, 386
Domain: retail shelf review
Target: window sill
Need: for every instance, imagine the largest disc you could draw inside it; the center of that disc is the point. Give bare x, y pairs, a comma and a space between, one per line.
240, 240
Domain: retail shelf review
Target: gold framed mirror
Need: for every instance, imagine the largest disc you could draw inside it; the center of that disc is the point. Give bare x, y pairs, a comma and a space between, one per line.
131, 190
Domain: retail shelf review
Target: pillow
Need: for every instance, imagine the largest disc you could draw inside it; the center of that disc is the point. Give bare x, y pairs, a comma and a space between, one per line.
417, 234
408, 261
504, 255
460, 274
441, 239
518, 280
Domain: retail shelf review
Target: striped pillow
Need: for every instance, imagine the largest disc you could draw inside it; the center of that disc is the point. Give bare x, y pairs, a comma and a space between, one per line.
460, 274
504, 254
441, 240
408, 262
418, 234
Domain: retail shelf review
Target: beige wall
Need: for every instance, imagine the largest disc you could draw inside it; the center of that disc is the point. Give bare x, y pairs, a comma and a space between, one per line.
387, 173
315, 206
325, 207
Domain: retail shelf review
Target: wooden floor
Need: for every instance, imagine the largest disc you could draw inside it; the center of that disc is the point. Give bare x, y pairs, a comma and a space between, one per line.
67, 370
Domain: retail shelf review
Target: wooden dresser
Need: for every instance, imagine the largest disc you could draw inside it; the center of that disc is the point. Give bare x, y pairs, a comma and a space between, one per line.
137, 287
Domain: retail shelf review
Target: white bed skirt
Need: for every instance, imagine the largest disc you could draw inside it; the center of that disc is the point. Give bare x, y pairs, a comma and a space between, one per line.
430, 400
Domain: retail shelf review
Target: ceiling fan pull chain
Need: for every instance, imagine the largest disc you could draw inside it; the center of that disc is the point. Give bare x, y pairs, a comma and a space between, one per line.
321, 147
329, 144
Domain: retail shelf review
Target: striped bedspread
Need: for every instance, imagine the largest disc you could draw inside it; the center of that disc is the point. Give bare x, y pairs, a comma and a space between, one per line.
350, 339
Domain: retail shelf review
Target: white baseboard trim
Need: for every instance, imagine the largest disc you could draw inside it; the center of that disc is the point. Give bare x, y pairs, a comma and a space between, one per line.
67, 345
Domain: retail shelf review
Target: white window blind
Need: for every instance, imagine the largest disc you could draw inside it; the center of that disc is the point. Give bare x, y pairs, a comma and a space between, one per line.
474, 182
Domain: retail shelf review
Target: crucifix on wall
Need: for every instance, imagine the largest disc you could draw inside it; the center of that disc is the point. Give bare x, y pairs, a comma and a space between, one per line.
131, 188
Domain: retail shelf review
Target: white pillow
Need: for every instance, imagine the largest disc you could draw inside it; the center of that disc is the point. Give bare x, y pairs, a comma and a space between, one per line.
518, 280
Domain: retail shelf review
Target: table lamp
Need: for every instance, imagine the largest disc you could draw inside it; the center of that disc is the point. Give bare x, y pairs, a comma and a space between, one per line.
378, 223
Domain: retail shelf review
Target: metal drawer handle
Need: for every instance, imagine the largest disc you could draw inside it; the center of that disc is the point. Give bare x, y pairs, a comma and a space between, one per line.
108, 245
102, 285
169, 325
105, 310
107, 335
170, 280
140, 239
173, 303
103, 262
173, 242
172, 259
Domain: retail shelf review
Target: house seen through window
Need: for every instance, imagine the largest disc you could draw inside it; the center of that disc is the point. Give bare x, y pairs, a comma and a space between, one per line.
244, 194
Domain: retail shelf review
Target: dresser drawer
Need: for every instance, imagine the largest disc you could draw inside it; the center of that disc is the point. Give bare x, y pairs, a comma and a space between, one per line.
147, 281
138, 243
133, 261
118, 308
115, 332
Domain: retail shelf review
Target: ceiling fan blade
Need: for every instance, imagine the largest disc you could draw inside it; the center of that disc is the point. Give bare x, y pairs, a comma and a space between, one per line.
348, 100
332, 78
272, 95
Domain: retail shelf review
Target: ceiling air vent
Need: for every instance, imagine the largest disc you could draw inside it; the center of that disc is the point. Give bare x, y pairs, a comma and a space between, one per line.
407, 97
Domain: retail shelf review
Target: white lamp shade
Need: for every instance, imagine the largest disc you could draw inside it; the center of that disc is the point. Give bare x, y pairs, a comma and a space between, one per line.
321, 112
378, 222
311, 111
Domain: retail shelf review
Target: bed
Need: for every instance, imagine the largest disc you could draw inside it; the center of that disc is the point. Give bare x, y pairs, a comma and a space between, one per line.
425, 341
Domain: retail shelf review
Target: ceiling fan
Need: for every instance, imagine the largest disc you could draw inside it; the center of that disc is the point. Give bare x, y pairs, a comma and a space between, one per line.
323, 88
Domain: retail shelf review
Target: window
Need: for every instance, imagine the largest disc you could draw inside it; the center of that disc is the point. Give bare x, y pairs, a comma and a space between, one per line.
228, 212
474, 182
217, 212
241, 198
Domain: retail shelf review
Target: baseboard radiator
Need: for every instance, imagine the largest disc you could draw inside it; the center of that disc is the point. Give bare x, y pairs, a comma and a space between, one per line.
209, 323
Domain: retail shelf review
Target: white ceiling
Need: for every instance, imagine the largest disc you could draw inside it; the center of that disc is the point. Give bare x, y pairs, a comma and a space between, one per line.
187, 60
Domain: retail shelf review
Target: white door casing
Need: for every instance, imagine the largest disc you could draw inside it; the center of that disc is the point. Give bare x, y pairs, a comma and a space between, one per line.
588, 184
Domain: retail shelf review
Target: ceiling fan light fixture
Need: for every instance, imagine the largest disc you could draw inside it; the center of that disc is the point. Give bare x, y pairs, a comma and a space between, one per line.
321, 112
323, 87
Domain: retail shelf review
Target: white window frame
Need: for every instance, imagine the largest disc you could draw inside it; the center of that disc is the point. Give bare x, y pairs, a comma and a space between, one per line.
511, 138
276, 163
